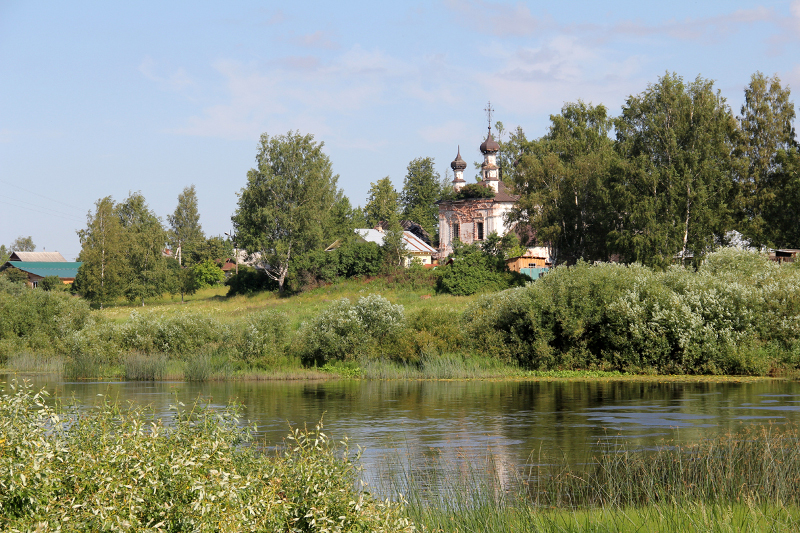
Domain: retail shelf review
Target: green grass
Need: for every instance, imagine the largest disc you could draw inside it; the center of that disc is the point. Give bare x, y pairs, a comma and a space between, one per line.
746, 481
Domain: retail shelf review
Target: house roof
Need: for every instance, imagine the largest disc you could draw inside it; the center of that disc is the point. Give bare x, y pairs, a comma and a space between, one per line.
416, 245
62, 269
45, 257
413, 243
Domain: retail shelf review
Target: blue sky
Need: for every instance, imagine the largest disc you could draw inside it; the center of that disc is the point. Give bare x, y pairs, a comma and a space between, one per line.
99, 99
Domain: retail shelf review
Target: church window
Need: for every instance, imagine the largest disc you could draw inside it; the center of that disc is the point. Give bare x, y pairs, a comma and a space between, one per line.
480, 231
456, 231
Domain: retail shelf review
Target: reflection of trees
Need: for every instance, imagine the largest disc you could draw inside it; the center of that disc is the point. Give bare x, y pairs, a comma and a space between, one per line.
461, 422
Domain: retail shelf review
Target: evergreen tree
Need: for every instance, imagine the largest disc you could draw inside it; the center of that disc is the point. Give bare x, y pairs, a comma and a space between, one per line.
383, 203
185, 230
102, 277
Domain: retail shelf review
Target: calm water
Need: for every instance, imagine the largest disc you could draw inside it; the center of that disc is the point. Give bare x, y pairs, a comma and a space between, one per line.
463, 421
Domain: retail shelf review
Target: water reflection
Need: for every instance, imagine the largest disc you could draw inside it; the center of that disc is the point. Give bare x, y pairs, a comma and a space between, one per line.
465, 421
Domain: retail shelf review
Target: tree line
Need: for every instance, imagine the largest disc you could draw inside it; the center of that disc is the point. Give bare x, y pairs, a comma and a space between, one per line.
668, 179
128, 252
680, 176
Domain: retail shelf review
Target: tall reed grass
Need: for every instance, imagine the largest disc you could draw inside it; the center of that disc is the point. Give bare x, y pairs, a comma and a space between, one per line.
746, 481
41, 364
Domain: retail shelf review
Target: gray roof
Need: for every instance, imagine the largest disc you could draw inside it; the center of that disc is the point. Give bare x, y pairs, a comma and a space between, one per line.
413, 243
40, 257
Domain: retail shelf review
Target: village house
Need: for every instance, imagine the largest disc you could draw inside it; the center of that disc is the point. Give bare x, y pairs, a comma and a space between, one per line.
39, 265
416, 248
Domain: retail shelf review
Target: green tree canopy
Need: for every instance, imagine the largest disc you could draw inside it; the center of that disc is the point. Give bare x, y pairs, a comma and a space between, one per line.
145, 239
561, 179
103, 275
422, 187
672, 193
383, 203
767, 130
185, 232
286, 205
23, 244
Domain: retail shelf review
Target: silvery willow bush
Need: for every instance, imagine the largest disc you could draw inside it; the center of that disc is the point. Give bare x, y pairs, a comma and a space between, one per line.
121, 469
262, 339
345, 331
738, 313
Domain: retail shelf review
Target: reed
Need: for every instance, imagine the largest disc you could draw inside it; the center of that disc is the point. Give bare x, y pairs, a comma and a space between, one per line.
28, 363
746, 481
138, 366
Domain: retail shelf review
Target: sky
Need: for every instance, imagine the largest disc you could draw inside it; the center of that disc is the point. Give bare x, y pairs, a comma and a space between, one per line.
106, 98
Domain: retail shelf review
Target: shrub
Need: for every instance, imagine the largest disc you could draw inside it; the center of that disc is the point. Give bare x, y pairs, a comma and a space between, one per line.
52, 283
473, 271
737, 314
207, 274
345, 331
114, 467
248, 281
262, 339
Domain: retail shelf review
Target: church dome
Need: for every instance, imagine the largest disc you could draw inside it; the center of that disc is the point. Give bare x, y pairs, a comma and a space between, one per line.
458, 163
490, 145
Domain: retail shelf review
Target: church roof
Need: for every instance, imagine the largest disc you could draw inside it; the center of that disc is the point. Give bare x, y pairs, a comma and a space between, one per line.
490, 145
458, 163
504, 194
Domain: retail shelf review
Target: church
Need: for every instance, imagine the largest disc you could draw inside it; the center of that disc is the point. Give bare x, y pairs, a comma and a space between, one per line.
473, 214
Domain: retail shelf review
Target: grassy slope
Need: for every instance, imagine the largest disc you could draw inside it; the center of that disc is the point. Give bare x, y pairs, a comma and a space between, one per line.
299, 307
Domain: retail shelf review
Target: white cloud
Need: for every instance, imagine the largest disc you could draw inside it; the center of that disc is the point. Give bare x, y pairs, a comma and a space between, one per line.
178, 80
318, 39
707, 29
297, 92
451, 131
503, 20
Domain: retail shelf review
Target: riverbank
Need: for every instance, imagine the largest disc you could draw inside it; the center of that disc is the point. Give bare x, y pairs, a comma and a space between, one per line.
738, 314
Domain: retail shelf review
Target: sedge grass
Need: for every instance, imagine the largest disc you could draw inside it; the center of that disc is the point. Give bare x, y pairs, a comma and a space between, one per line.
744, 481
28, 363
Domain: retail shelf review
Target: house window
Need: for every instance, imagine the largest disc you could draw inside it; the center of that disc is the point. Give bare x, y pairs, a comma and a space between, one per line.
456, 231
480, 231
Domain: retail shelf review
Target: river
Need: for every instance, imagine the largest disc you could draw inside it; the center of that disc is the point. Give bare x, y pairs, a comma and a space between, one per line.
517, 423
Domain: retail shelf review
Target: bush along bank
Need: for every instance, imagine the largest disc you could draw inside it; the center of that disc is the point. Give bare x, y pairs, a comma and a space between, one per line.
121, 469
738, 313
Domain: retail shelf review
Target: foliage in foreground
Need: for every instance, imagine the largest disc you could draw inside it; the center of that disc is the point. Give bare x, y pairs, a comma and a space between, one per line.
122, 469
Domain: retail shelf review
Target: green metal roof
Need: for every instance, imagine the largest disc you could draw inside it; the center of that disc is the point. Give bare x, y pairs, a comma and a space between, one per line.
62, 269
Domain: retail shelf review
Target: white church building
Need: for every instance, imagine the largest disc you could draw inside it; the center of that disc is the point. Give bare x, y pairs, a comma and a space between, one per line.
470, 219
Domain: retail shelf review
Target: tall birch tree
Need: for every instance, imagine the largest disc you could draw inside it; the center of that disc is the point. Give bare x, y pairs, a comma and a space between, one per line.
102, 277
284, 209
673, 192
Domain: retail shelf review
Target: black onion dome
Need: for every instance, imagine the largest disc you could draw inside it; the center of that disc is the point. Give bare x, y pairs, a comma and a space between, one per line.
458, 163
490, 145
